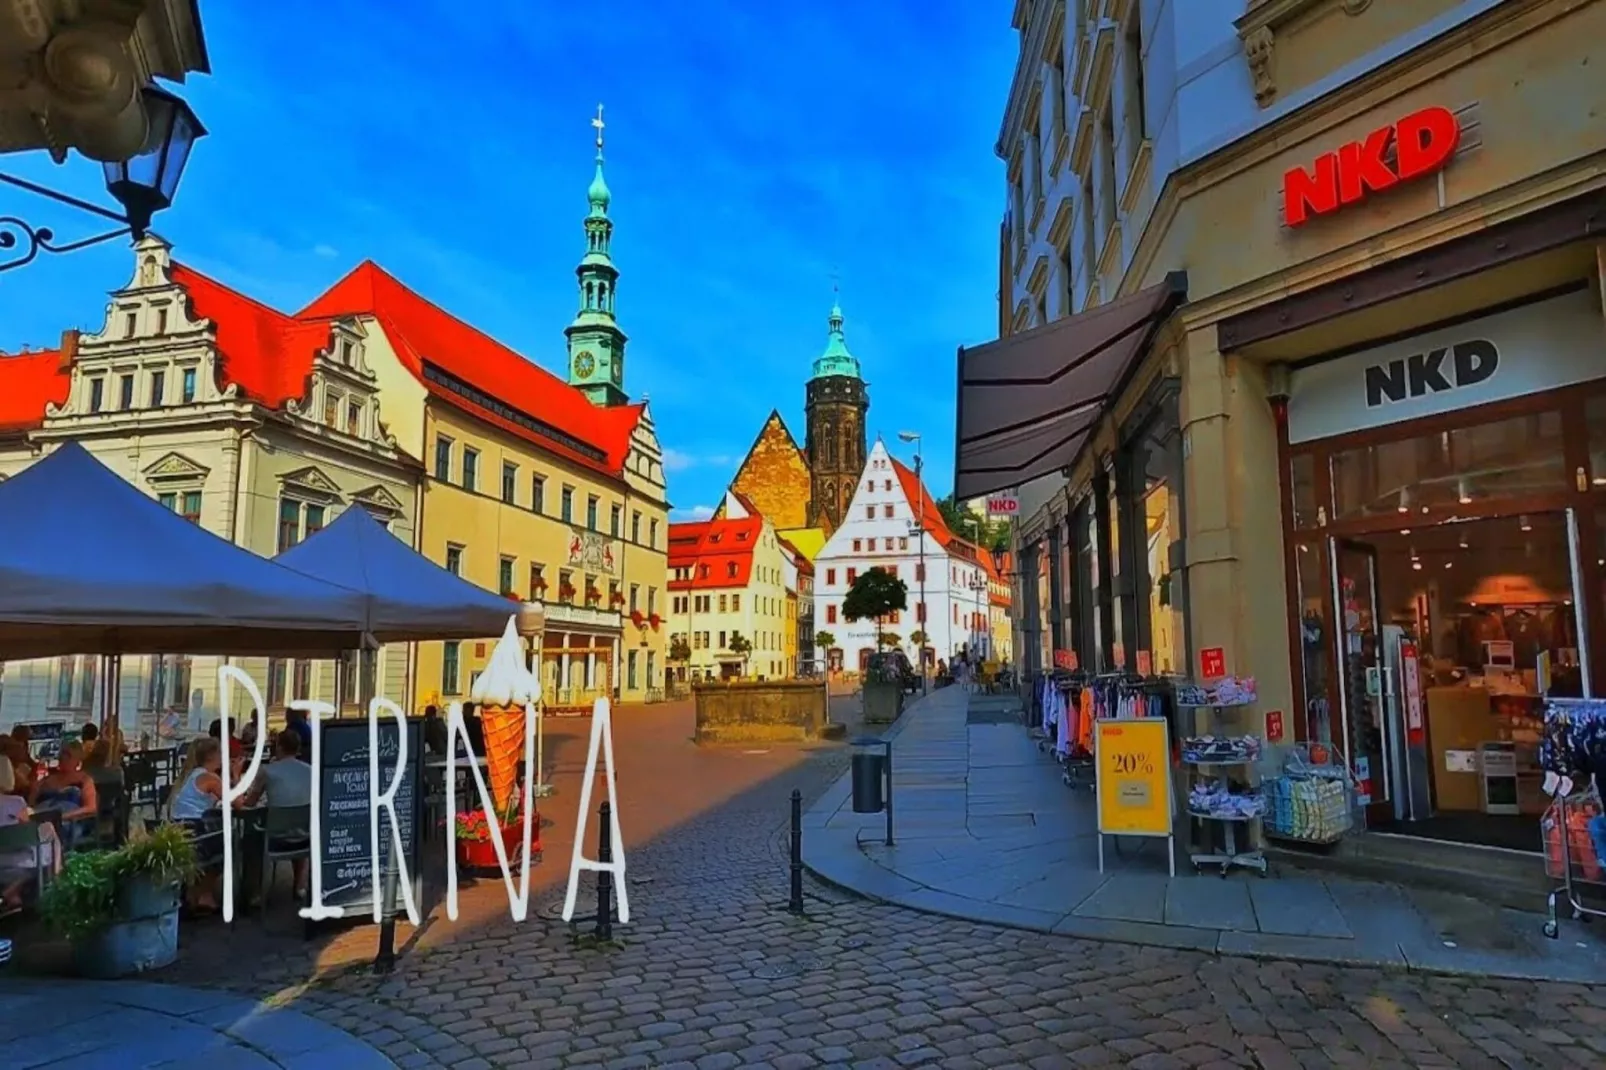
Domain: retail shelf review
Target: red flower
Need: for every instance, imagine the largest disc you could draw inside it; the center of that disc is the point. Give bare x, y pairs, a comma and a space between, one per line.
636, 618
655, 620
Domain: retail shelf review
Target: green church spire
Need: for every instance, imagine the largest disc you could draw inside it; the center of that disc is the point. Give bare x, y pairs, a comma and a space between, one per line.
836, 360
596, 344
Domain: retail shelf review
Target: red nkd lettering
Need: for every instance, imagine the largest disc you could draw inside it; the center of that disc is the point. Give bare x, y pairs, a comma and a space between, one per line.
1423, 142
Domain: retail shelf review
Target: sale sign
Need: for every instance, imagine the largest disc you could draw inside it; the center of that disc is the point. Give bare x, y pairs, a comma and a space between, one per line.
1132, 757
1212, 663
1274, 726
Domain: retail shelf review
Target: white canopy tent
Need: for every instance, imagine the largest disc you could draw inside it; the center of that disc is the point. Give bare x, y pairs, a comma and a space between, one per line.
409, 597
91, 565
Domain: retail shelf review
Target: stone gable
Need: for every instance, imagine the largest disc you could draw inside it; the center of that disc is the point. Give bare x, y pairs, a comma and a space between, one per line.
775, 476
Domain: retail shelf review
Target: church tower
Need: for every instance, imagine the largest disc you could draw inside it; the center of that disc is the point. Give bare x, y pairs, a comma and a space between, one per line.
836, 402
596, 344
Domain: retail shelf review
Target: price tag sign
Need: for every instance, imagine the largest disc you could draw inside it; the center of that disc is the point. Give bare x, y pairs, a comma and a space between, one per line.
1065, 659
1274, 726
1145, 663
1133, 758
1212, 663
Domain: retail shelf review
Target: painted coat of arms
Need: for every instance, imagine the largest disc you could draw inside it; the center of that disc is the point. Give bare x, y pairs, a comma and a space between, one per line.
590, 550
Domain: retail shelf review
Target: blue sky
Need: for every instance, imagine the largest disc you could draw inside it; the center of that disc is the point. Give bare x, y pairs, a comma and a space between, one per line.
754, 151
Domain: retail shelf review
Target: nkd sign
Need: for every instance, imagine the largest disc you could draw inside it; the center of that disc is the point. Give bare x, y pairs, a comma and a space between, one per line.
1434, 371
1419, 144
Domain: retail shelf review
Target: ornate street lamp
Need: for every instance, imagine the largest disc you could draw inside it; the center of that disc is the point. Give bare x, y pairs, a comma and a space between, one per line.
144, 184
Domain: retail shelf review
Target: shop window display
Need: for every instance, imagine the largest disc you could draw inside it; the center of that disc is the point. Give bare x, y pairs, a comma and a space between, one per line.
1088, 573
1168, 653
1515, 457
1302, 485
1316, 653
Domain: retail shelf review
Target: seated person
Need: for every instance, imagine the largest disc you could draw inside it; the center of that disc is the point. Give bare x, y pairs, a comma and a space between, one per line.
14, 752
89, 734
20, 869
286, 781
70, 791
195, 801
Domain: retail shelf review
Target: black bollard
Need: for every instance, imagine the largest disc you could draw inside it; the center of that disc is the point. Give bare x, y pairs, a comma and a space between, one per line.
795, 904
604, 876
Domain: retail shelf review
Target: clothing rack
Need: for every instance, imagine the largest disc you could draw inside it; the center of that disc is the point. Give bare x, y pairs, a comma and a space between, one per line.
1071, 701
1573, 755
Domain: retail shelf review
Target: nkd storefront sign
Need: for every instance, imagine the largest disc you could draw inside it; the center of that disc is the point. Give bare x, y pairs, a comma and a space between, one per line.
1419, 144
1525, 350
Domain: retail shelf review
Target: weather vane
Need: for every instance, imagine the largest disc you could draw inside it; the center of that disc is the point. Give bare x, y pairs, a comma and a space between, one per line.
600, 125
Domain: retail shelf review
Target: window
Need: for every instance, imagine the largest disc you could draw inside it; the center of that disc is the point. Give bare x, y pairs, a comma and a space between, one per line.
856, 545
1090, 254
454, 559
161, 321
537, 494
886, 544
736, 602
830, 577
1137, 123
331, 409
722, 640
187, 386
635, 595
130, 324
351, 677
537, 583
652, 600
635, 525
565, 586
853, 574
125, 393
616, 520
592, 503
449, 668
566, 506
630, 671
830, 614
723, 603
443, 458
920, 613
276, 682
1106, 164
652, 534
471, 468
314, 521
869, 512
886, 484
354, 418
66, 672
289, 523
886, 511
158, 389
510, 482
190, 506
97, 394
302, 685
903, 542
920, 572
504, 575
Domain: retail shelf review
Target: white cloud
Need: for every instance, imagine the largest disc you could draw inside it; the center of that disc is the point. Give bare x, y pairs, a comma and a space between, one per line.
328, 252
696, 512
677, 460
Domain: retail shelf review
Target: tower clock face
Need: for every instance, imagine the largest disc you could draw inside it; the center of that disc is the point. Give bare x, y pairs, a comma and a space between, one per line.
584, 364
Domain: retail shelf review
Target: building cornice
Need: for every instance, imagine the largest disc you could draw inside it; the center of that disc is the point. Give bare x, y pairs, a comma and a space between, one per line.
1028, 72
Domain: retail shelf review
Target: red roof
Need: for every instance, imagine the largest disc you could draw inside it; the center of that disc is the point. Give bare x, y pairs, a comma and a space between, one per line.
266, 353
421, 331
30, 381
718, 552
918, 496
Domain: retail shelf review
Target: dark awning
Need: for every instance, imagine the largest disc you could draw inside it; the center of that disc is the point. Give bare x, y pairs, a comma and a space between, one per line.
1028, 402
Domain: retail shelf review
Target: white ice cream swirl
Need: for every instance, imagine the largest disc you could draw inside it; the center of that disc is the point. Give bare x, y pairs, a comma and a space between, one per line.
506, 681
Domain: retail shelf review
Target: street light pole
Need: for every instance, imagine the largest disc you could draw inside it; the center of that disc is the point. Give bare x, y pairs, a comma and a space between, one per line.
917, 528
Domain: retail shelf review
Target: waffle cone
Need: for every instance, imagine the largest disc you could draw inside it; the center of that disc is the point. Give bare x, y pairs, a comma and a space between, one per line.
504, 749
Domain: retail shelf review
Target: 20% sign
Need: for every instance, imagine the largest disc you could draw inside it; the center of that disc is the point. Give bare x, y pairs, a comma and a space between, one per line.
1134, 789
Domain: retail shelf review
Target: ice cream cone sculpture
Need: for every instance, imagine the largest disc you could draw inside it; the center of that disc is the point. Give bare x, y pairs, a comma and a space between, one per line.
507, 693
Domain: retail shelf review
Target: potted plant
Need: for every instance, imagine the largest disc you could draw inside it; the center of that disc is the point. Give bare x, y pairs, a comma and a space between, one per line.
637, 619
473, 835
119, 909
566, 591
616, 599
655, 620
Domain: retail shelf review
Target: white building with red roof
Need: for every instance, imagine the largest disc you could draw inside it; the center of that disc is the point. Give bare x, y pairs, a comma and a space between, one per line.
729, 600
893, 523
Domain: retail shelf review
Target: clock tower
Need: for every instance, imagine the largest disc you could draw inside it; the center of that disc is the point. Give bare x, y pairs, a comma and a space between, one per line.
836, 401
596, 344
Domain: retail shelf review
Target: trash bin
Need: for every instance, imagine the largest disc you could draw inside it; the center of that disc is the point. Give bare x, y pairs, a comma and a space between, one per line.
869, 771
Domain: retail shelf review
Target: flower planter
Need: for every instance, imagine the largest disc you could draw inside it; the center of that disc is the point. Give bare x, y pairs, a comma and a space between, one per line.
143, 937
481, 854
882, 703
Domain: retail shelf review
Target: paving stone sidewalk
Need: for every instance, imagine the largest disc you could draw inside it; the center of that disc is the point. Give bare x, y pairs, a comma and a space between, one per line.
986, 831
102, 1025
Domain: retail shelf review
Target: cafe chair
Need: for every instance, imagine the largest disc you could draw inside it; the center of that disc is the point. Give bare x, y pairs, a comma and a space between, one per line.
285, 838
24, 836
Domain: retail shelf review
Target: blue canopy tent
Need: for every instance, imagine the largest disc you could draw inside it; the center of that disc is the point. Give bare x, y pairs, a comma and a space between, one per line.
89, 564
409, 597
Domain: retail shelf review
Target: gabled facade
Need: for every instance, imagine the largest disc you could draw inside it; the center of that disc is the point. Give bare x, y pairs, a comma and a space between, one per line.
255, 425
775, 476
892, 522
727, 579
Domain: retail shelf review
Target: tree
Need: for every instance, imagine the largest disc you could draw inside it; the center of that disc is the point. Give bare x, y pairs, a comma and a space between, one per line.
739, 645
919, 637
873, 596
679, 649
989, 534
889, 639
824, 640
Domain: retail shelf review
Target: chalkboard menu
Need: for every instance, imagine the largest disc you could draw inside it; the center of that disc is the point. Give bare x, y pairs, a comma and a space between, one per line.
349, 868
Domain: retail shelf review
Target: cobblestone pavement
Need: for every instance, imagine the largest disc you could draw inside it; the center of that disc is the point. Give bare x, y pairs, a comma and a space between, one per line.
712, 973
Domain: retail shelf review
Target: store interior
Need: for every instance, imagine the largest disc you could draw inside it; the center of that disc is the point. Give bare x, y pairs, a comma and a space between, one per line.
1489, 605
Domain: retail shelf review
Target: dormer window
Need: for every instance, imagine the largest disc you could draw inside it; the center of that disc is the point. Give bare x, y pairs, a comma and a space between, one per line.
353, 418
331, 409
97, 393
345, 352
161, 321
130, 323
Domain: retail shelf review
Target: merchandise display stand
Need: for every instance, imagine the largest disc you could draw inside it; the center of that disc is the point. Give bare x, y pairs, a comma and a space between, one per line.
1216, 755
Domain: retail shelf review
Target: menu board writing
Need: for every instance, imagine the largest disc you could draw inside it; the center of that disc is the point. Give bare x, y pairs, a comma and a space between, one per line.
349, 868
